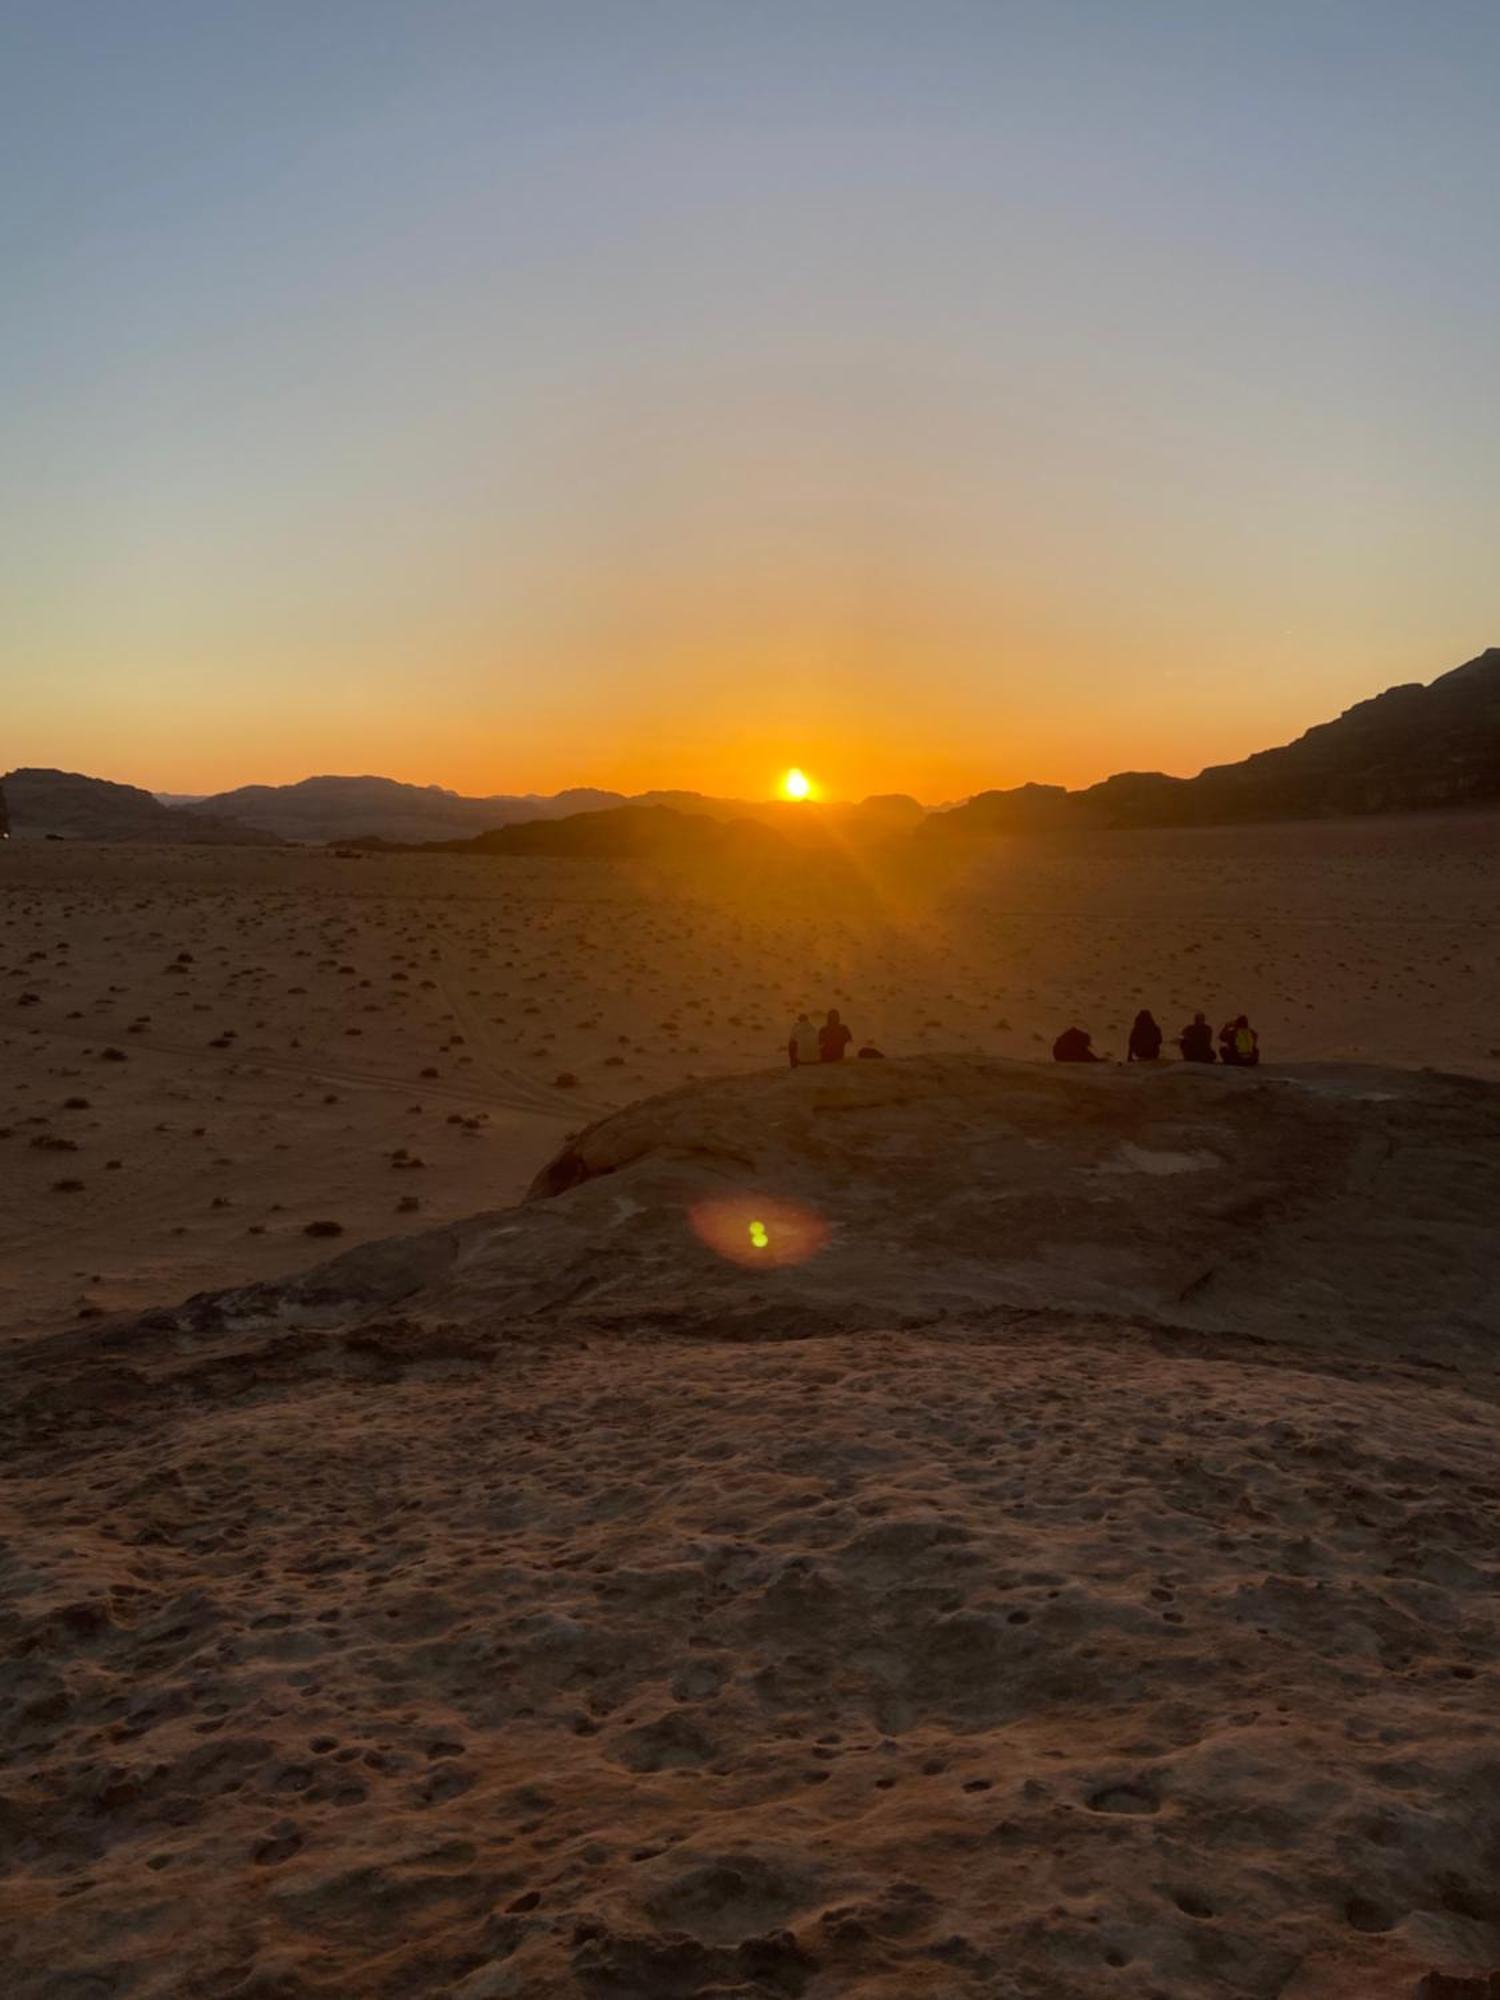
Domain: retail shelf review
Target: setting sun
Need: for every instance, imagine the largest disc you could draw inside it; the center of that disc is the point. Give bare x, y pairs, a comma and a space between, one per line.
796, 785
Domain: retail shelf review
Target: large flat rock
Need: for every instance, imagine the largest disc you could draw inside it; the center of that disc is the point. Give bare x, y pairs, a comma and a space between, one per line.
1346, 1208
943, 1528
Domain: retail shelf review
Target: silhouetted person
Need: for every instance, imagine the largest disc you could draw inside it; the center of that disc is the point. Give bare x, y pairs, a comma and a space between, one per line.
1239, 1045
1197, 1040
1145, 1039
869, 1053
833, 1038
802, 1042
1074, 1045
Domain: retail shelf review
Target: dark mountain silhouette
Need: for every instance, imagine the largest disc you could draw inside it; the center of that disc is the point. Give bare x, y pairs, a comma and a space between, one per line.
335, 809
1021, 809
890, 810
66, 805
628, 832
1410, 749
348, 810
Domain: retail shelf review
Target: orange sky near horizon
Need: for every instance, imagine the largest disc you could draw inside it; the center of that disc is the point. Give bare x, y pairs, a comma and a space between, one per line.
935, 397
733, 734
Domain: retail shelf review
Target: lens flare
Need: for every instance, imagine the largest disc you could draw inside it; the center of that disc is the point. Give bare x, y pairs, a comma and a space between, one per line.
759, 1230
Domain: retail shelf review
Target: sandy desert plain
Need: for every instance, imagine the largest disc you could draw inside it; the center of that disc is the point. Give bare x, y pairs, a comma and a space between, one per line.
1076, 1578
290, 1021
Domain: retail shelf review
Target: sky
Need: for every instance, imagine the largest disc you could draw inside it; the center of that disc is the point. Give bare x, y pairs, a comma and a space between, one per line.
664, 392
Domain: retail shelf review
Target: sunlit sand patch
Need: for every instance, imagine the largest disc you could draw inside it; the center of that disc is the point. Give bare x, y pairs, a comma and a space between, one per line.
759, 1231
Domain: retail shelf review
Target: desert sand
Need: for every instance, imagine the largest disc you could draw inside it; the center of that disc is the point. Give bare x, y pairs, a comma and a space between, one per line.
291, 1022
954, 1526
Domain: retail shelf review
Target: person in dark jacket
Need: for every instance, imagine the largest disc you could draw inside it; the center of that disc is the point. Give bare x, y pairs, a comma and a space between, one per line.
833, 1038
1145, 1039
1197, 1040
1074, 1045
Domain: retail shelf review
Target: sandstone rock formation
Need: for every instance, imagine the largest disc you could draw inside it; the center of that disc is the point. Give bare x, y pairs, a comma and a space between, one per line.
940, 1527
1349, 1208
67, 805
1412, 748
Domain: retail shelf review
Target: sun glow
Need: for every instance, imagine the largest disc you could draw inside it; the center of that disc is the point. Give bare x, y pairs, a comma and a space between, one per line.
796, 785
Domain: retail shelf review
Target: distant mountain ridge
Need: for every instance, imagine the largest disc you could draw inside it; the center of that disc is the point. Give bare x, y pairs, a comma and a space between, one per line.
1412, 748
66, 805
625, 832
713, 828
337, 808
356, 809
1409, 749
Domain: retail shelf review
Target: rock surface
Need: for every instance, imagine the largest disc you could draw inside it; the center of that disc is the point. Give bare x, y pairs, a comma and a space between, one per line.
943, 1527
1348, 1207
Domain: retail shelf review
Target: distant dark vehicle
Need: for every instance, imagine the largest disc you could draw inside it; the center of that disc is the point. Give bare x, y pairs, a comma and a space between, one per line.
1074, 1045
1145, 1039
833, 1038
1197, 1040
1239, 1045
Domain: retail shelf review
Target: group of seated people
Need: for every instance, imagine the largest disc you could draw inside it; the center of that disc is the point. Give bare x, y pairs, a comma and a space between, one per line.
809, 1044
1239, 1044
